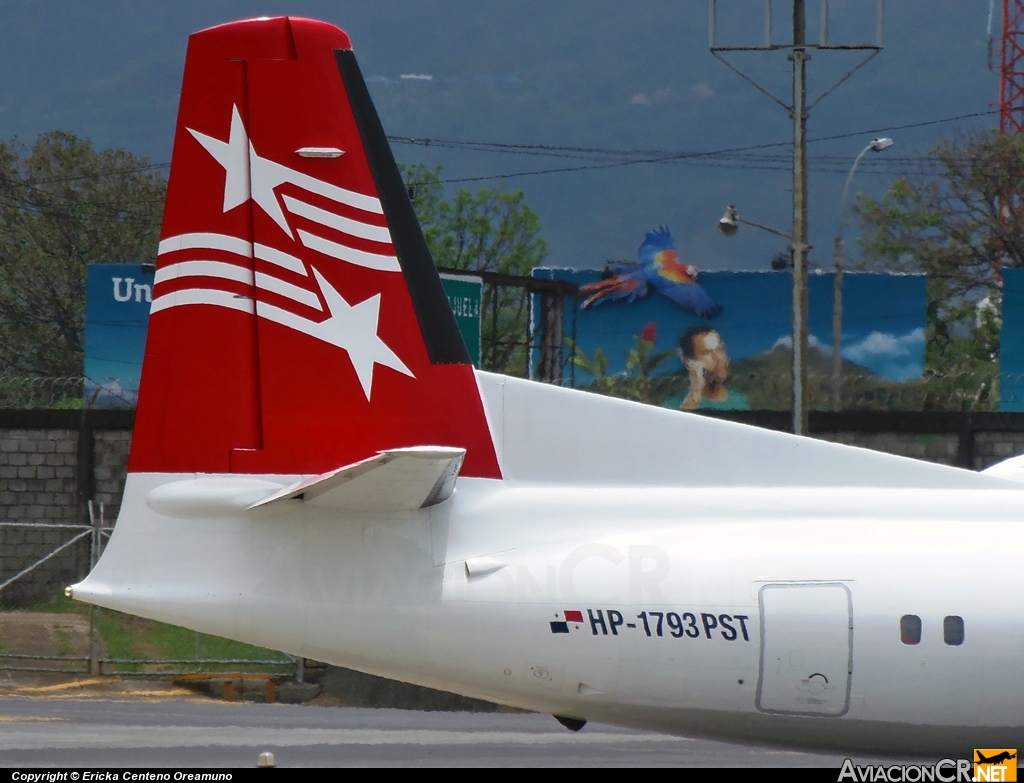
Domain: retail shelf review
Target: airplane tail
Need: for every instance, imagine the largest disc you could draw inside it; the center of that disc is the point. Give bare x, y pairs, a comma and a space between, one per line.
298, 323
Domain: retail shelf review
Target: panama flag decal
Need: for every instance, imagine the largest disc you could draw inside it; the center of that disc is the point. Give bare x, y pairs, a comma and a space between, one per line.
568, 617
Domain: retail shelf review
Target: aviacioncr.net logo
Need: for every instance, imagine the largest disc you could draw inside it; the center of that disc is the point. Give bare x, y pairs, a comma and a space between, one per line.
944, 771
995, 764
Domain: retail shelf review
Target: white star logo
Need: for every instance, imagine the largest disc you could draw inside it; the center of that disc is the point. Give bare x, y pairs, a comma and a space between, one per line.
353, 328
247, 174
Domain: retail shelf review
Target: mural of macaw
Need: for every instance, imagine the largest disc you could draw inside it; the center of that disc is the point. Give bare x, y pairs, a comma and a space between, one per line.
661, 268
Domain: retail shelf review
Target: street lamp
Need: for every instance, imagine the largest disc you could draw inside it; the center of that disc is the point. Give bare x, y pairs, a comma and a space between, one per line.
729, 225
876, 145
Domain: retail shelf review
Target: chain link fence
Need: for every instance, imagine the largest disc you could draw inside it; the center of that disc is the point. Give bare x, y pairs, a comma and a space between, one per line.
41, 630
544, 354
959, 392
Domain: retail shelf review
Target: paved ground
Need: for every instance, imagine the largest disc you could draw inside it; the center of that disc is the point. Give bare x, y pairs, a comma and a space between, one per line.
49, 727
48, 635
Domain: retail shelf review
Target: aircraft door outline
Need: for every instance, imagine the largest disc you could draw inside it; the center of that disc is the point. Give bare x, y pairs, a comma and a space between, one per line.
806, 663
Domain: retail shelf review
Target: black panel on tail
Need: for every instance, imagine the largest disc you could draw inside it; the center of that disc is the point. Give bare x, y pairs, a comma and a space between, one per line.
437, 323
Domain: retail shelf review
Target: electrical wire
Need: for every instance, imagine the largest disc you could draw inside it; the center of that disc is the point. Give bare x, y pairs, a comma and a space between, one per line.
635, 157
746, 157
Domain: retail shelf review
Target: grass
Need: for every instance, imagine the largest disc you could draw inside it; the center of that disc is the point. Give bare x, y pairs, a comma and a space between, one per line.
64, 646
59, 605
126, 637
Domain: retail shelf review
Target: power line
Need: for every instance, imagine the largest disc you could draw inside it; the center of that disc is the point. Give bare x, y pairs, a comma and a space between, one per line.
652, 156
613, 158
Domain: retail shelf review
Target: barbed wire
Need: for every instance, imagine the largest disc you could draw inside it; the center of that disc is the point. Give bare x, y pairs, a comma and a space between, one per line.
975, 390
985, 390
30, 392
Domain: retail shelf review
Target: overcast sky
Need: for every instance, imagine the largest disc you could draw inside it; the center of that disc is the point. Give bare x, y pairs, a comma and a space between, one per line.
589, 73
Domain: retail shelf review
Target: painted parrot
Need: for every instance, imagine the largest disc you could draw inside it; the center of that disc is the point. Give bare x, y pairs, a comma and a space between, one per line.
661, 268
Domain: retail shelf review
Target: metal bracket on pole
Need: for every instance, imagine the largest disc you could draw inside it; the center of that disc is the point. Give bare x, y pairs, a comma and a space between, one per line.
798, 110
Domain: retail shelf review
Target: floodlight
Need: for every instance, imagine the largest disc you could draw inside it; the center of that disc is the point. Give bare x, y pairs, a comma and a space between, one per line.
728, 225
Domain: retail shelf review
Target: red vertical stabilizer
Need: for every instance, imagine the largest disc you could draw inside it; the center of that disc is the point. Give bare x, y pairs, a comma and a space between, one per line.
298, 321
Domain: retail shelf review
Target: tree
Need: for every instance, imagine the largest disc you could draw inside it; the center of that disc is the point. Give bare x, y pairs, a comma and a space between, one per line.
486, 231
639, 381
959, 220
64, 205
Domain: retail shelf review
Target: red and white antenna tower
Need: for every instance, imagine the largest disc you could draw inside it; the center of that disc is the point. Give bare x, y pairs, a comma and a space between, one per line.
1011, 71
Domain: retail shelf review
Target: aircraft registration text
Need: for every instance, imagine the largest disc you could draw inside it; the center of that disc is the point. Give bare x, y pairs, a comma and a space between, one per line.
678, 625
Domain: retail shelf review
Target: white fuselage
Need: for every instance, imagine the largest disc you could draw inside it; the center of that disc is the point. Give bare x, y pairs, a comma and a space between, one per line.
779, 608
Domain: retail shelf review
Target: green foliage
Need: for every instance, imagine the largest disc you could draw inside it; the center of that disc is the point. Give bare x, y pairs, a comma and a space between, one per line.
125, 637
638, 382
60, 604
597, 367
641, 362
486, 231
117, 637
489, 230
65, 205
957, 221
64, 646
174, 642
765, 379
134, 638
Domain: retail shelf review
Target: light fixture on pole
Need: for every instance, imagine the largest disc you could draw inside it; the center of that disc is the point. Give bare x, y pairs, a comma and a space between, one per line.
876, 145
729, 224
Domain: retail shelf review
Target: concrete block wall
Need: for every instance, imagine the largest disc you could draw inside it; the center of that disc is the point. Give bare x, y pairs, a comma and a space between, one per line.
50, 465
993, 447
942, 448
38, 484
110, 468
38, 474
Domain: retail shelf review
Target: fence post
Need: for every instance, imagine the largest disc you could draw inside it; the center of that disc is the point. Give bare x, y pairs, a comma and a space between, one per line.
965, 443
572, 351
85, 460
552, 334
94, 542
494, 329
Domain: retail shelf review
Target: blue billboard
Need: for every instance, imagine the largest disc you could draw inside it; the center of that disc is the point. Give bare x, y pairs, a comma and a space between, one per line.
733, 330
118, 299
1011, 342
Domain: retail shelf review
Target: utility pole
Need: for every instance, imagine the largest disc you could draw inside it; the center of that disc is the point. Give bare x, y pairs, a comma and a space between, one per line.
1011, 90
1011, 70
799, 110
799, 57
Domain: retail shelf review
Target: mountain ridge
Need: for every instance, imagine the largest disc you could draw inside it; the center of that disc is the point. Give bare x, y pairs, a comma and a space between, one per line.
590, 74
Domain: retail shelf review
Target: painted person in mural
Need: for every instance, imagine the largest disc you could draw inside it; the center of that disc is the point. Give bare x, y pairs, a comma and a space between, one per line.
703, 352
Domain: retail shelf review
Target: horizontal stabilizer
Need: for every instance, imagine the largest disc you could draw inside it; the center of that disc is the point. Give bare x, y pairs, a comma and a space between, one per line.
209, 497
396, 480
